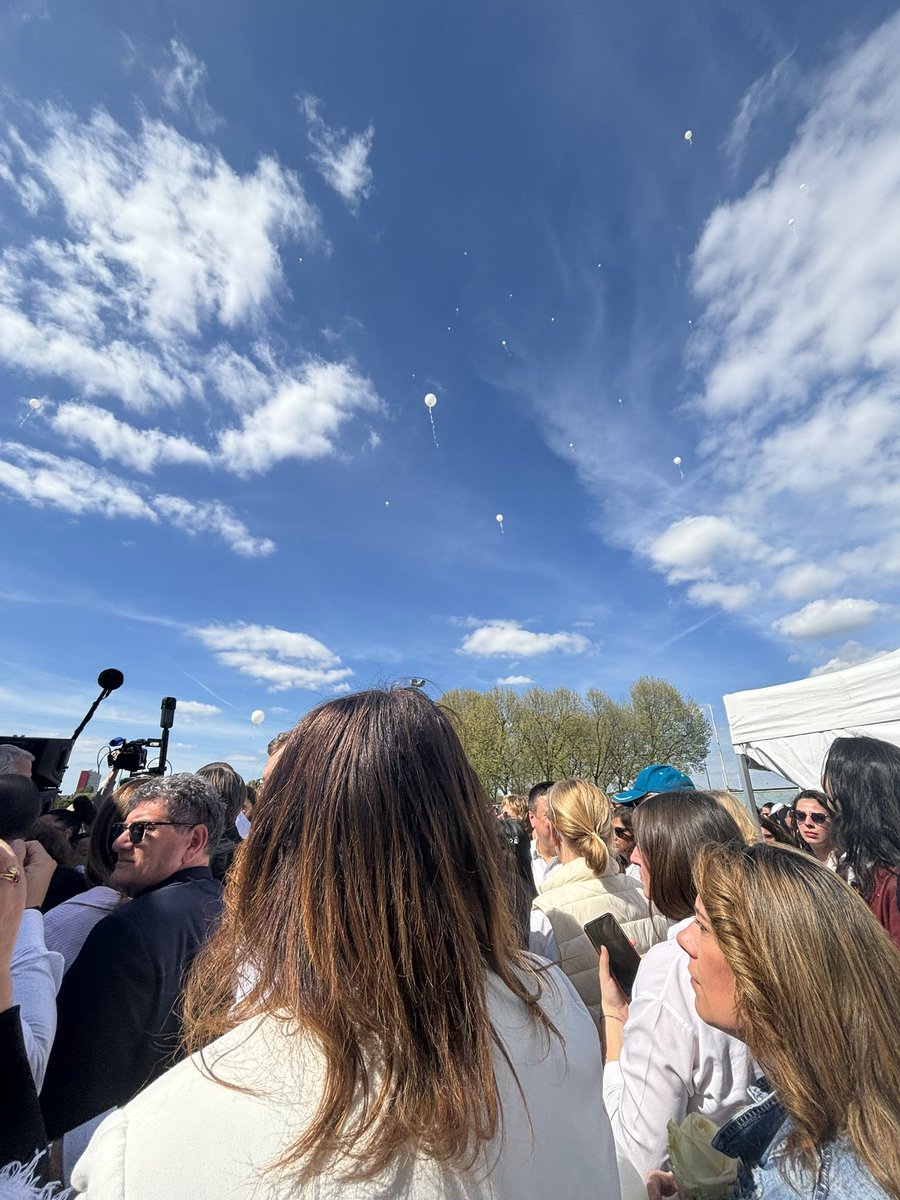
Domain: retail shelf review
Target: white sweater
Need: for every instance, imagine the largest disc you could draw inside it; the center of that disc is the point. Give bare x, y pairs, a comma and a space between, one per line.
187, 1137
672, 1063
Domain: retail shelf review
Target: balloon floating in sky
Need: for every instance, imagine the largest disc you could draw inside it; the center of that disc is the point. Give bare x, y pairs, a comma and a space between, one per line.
793, 230
505, 347
430, 402
257, 716
499, 520
34, 405
677, 461
689, 136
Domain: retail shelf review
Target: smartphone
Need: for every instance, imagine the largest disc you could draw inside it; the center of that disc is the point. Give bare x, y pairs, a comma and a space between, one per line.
624, 960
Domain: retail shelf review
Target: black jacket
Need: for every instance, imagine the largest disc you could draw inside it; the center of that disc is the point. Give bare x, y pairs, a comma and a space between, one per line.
120, 1001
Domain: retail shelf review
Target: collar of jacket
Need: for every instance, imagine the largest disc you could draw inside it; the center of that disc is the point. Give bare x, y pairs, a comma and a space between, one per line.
573, 871
183, 876
749, 1135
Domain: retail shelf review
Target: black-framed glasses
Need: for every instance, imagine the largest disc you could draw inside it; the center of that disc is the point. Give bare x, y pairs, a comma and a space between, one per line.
137, 829
818, 818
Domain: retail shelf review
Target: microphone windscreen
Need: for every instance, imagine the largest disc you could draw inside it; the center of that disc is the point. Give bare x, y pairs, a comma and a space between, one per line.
110, 679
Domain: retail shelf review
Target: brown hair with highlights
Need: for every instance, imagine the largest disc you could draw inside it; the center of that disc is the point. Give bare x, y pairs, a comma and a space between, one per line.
816, 987
372, 893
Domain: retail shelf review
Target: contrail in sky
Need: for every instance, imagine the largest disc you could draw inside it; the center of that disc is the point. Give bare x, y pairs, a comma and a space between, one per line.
206, 689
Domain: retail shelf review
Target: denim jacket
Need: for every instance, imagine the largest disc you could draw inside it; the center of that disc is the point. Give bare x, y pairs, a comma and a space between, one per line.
757, 1137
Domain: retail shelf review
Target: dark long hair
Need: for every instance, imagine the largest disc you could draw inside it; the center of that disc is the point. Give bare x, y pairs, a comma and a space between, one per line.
669, 829
370, 899
862, 778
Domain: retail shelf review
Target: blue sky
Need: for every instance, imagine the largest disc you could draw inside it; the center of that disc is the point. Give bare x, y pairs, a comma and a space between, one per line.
237, 252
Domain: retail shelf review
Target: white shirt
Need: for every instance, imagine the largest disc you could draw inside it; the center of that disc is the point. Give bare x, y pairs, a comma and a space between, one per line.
67, 926
188, 1137
36, 975
672, 1063
540, 868
541, 938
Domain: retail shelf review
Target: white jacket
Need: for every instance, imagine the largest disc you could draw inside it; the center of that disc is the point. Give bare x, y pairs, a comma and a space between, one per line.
188, 1137
572, 895
672, 1063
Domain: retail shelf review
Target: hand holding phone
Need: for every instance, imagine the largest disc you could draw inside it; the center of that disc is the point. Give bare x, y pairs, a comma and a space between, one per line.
624, 960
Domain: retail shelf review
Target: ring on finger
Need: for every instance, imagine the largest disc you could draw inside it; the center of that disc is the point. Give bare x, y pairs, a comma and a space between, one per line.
13, 874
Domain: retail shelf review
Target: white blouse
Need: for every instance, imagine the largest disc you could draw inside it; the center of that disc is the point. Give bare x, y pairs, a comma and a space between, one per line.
672, 1063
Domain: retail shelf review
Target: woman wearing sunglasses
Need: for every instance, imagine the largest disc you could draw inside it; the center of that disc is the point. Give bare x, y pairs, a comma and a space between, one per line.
813, 822
786, 957
662, 1061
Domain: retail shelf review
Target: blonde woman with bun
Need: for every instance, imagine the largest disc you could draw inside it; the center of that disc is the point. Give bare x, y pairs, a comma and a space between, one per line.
586, 885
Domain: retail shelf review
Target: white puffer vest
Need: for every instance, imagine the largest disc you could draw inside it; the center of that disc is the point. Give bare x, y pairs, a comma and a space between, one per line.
572, 895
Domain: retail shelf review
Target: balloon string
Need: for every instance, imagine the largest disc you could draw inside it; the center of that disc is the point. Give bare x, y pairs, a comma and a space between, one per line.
433, 430
25, 418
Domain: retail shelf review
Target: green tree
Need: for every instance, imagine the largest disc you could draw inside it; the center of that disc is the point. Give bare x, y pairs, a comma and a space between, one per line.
668, 727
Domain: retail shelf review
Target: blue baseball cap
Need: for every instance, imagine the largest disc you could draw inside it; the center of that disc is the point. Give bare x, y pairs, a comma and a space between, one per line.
660, 777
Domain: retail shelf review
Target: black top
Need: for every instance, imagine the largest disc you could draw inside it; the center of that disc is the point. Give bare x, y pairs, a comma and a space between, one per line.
120, 1001
21, 1128
65, 882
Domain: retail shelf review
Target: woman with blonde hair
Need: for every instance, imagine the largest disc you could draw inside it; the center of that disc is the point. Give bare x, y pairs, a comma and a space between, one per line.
389, 1037
585, 885
787, 957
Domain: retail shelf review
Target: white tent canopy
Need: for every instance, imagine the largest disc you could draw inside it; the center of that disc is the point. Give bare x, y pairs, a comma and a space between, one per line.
789, 728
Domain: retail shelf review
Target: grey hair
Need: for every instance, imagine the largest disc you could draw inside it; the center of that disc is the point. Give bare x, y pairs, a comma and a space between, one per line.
185, 797
10, 755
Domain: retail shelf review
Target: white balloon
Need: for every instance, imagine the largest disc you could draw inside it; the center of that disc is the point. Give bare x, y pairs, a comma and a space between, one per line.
677, 460
34, 404
499, 517
430, 400
257, 716
688, 135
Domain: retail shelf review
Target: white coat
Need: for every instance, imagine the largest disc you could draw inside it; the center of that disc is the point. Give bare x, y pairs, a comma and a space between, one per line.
188, 1137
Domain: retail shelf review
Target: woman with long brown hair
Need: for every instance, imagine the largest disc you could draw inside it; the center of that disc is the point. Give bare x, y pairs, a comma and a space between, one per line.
389, 1037
785, 956
662, 1061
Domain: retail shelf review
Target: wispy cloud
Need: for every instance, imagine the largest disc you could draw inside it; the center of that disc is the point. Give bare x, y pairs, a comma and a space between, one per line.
182, 84
509, 639
514, 680
73, 486
280, 657
761, 98
342, 158
851, 654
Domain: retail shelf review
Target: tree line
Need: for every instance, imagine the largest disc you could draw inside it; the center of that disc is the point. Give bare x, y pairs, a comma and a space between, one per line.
514, 739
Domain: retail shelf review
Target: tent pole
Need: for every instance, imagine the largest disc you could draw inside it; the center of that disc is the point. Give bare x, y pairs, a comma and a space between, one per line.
749, 797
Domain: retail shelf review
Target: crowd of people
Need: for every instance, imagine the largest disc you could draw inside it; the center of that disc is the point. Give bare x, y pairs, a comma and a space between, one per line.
373, 980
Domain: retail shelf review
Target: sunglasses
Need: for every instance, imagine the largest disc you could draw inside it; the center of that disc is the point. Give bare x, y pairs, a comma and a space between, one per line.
622, 833
137, 829
816, 818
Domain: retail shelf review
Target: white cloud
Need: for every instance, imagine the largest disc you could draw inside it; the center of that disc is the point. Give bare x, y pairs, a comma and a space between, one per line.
759, 99
300, 419
805, 579
163, 237
196, 708
851, 654
280, 657
140, 449
691, 546
514, 680
829, 618
730, 596
182, 84
341, 157
510, 640
74, 486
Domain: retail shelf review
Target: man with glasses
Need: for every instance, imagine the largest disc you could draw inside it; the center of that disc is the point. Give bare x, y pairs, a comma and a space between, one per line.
119, 1005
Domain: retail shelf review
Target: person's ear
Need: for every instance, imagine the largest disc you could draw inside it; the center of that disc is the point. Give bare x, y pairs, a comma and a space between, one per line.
198, 842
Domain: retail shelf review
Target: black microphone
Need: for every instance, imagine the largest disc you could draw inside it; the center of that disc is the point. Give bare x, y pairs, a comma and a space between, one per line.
110, 679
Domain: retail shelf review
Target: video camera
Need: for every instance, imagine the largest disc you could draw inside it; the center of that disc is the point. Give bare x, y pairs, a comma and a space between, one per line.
132, 756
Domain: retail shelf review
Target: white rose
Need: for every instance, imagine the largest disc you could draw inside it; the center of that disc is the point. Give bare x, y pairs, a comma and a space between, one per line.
699, 1170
